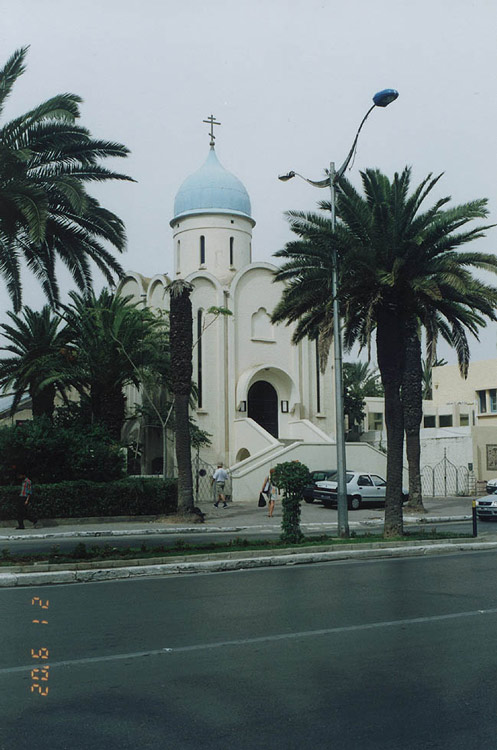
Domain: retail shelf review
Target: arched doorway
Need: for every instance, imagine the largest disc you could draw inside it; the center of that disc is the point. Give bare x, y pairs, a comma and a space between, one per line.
263, 406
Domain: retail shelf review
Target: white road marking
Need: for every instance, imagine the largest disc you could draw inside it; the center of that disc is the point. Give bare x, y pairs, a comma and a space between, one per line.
259, 639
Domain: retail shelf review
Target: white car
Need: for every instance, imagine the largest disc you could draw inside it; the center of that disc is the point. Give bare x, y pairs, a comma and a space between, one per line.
491, 486
362, 488
486, 507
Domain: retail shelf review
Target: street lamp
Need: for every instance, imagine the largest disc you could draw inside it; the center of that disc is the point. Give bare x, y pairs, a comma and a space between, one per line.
381, 99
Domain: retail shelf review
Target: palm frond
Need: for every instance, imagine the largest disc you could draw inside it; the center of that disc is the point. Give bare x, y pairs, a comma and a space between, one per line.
13, 68
46, 160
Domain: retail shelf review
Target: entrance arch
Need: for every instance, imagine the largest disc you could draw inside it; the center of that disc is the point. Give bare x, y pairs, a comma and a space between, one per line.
263, 406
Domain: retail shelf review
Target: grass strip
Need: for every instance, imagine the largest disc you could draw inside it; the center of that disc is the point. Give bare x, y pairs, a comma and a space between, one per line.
96, 553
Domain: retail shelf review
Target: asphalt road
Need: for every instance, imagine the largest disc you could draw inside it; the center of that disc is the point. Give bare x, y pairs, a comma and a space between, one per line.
390, 655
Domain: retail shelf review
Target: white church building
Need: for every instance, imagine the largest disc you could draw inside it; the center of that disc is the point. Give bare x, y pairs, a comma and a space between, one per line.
261, 398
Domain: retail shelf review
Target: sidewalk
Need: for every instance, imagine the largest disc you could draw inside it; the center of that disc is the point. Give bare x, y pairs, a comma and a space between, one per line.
237, 517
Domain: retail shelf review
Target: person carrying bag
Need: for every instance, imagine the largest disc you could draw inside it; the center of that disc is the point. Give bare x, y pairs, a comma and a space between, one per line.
269, 489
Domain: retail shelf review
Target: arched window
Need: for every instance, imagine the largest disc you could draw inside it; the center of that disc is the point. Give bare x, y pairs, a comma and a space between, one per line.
232, 243
242, 454
199, 358
262, 328
202, 250
178, 248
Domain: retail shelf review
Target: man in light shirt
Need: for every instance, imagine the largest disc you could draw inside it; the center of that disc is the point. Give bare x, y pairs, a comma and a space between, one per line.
219, 478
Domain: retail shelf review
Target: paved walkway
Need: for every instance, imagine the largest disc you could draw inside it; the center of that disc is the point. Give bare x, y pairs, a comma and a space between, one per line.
237, 517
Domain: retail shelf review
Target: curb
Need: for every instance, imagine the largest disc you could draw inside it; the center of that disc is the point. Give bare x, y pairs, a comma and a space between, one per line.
420, 519
238, 561
124, 532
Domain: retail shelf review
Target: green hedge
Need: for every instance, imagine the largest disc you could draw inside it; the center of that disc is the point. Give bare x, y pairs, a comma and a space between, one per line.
81, 499
49, 453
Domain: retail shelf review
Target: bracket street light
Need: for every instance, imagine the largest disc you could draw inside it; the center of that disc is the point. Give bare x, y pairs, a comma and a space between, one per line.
381, 99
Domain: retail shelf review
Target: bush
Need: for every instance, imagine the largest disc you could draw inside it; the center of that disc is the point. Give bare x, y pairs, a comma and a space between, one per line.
80, 552
49, 453
83, 499
291, 477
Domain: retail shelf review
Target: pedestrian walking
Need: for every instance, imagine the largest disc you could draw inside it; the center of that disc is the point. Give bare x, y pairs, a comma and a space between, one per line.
24, 509
219, 478
271, 492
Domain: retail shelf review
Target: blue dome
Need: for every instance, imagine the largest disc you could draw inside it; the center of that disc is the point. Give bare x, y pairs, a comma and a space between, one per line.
211, 189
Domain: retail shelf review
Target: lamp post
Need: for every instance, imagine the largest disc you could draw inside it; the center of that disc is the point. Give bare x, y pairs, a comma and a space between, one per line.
381, 99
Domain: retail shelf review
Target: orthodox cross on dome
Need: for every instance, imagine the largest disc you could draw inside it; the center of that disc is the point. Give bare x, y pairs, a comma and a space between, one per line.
212, 121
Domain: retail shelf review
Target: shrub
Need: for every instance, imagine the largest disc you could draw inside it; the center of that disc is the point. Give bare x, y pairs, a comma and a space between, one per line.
80, 552
49, 453
291, 477
83, 499
54, 554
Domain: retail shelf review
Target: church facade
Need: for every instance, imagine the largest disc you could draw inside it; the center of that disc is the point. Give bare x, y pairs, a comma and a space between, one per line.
261, 398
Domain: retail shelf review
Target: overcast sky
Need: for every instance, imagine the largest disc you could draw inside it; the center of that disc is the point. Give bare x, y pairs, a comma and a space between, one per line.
289, 80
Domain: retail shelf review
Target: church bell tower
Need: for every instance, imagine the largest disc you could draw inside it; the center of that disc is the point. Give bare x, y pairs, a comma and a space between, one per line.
212, 224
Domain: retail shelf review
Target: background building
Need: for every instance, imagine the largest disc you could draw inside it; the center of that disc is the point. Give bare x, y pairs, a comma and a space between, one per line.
458, 431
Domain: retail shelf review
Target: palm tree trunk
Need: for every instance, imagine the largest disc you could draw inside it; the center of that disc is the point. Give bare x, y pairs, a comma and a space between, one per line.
183, 454
390, 351
113, 412
412, 403
108, 408
181, 345
43, 402
395, 454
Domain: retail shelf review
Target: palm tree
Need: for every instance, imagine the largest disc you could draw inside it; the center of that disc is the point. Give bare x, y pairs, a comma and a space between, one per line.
42, 359
400, 269
181, 342
362, 377
359, 381
412, 405
427, 376
46, 158
114, 339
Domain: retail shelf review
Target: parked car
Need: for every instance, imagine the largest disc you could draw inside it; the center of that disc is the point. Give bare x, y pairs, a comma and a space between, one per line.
316, 476
362, 488
491, 486
486, 507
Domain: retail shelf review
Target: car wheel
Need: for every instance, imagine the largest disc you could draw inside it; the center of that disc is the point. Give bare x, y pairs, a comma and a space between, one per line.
355, 502
309, 499
405, 498
327, 503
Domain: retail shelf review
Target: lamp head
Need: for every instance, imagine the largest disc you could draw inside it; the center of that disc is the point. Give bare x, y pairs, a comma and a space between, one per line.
385, 97
285, 177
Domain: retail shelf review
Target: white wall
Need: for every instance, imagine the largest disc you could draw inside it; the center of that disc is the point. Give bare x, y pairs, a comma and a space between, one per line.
251, 436
303, 429
216, 230
457, 447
